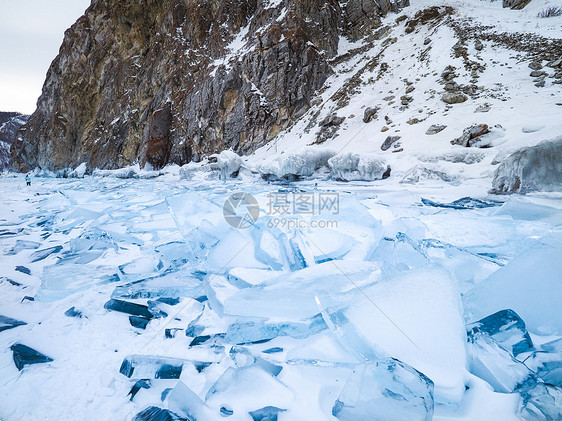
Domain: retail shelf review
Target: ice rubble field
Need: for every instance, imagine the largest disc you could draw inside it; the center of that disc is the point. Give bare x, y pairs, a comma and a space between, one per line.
136, 295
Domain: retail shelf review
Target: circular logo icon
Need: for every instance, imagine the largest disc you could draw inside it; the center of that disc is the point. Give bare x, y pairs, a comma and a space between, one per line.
241, 210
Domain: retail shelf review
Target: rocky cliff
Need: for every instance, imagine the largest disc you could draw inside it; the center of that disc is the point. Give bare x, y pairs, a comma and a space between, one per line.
170, 81
10, 123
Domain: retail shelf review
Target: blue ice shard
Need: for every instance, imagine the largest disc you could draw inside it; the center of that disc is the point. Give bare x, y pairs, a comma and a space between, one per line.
153, 413
24, 355
267, 413
73, 312
129, 308
151, 367
9, 323
384, 390
43, 254
139, 384
507, 329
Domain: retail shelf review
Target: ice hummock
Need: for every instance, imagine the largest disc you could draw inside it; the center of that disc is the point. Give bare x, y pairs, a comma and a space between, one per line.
297, 164
350, 166
535, 168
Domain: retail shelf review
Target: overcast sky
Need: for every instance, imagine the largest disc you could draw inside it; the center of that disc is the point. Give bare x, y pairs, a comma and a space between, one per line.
31, 32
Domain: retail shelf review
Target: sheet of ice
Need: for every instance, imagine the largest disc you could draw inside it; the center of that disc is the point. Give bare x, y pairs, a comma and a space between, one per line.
529, 284
416, 317
59, 281
173, 285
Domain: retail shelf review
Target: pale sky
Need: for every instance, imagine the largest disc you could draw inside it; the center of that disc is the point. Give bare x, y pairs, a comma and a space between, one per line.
31, 33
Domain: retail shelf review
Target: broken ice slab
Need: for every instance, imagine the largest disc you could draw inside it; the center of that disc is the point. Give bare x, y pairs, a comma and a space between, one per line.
242, 357
398, 254
141, 268
24, 245
73, 312
93, 239
190, 209
139, 384
241, 277
173, 285
414, 316
43, 254
248, 331
428, 245
384, 390
540, 402
267, 413
290, 296
153, 413
298, 252
327, 245
242, 390
152, 367
10, 281
494, 364
174, 252
507, 329
59, 281
463, 203
268, 248
133, 309
234, 249
182, 400
529, 284
139, 322
9, 323
24, 355
547, 363
23, 270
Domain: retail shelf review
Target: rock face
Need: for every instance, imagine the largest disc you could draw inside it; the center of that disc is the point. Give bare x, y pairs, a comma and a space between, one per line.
170, 81
10, 123
536, 168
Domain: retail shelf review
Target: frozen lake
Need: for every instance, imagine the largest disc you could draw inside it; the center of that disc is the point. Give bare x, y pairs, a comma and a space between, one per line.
246, 299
